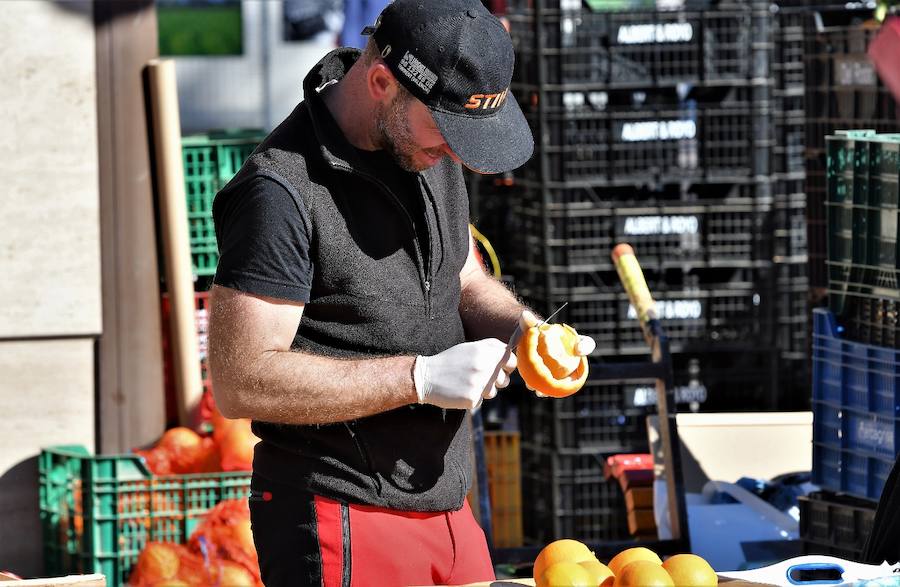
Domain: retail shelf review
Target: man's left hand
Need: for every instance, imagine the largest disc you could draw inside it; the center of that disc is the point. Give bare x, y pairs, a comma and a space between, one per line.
583, 348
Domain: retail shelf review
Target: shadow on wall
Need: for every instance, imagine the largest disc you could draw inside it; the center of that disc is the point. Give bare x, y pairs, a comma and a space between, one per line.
19, 508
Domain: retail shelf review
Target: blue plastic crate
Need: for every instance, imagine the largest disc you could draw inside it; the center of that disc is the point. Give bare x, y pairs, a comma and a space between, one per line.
856, 409
864, 475
827, 424
826, 466
859, 376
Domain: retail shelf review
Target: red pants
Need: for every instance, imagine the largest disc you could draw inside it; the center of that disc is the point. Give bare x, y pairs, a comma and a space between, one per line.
302, 539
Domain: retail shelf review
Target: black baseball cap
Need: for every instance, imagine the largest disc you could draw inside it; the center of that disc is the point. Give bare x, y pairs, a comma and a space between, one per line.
457, 59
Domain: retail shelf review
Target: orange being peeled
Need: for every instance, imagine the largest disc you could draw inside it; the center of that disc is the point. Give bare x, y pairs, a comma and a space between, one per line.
565, 574
643, 573
690, 569
630, 555
548, 362
564, 550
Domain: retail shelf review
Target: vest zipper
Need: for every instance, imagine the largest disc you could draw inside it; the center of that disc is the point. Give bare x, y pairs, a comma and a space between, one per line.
424, 272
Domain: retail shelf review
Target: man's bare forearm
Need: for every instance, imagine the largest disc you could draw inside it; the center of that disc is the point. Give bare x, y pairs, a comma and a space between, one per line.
488, 308
301, 388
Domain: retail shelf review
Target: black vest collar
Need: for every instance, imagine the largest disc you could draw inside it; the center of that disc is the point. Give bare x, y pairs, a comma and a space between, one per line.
336, 150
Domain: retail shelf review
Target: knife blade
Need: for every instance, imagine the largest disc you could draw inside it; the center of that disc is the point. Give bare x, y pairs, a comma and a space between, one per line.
517, 333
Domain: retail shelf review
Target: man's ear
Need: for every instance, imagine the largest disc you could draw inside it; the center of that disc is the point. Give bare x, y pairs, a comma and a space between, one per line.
381, 83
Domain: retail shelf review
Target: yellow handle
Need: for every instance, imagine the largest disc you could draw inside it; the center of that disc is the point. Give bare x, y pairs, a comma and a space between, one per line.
632, 278
495, 262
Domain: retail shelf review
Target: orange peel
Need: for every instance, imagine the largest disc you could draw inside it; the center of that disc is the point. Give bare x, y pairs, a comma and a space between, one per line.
548, 362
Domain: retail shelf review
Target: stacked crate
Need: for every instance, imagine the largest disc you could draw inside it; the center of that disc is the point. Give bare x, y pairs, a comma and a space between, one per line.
98, 512
656, 128
842, 91
856, 356
863, 171
835, 524
210, 161
788, 186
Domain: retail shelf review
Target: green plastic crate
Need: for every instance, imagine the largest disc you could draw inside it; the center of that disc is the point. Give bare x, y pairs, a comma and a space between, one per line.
210, 161
863, 193
98, 512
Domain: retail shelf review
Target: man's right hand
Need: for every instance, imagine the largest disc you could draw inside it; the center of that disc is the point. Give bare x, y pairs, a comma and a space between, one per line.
458, 377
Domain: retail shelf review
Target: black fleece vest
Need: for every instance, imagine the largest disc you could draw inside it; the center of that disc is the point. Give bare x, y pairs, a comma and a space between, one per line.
372, 295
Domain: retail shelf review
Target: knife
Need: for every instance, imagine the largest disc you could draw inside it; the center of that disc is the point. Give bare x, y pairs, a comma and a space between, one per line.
514, 342
517, 333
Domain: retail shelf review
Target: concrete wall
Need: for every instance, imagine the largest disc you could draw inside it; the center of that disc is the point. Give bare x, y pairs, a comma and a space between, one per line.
50, 301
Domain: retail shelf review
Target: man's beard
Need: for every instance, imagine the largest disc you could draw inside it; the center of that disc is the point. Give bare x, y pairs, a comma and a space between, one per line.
392, 133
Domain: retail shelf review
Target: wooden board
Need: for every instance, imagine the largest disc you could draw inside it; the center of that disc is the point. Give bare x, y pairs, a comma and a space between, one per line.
637, 498
95, 580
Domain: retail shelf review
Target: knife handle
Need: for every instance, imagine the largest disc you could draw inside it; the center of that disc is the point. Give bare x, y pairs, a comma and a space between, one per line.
633, 281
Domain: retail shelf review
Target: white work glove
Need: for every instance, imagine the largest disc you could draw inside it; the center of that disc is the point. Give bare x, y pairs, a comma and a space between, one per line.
463, 375
585, 346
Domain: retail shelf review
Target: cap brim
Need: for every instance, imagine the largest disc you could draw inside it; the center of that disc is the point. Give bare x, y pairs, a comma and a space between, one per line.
494, 144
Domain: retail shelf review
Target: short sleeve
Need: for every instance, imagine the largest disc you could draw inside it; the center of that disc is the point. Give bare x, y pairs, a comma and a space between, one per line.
263, 241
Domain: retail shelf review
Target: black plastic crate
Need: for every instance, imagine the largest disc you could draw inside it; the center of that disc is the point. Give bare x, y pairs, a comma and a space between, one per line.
872, 320
792, 310
665, 234
602, 416
733, 380
789, 48
601, 6
585, 196
605, 416
843, 92
866, 106
863, 208
789, 151
837, 41
789, 211
639, 48
835, 524
648, 137
726, 316
564, 495
717, 381
816, 233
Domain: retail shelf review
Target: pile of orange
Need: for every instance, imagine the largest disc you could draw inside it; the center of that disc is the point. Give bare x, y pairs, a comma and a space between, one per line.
570, 563
548, 361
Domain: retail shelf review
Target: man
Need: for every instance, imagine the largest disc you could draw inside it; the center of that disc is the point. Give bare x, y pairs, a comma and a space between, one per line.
346, 290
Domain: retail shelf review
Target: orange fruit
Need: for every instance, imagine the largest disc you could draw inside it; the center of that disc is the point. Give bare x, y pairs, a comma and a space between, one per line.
565, 574
690, 569
564, 550
556, 345
629, 555
643, 573
236, 444
547, 360
598, 571
158, 561
234, 575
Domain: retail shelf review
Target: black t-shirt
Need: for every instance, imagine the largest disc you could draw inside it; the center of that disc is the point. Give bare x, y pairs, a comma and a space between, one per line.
264, 245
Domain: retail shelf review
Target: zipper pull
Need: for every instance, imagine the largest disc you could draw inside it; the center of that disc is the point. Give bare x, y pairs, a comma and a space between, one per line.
427, 286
